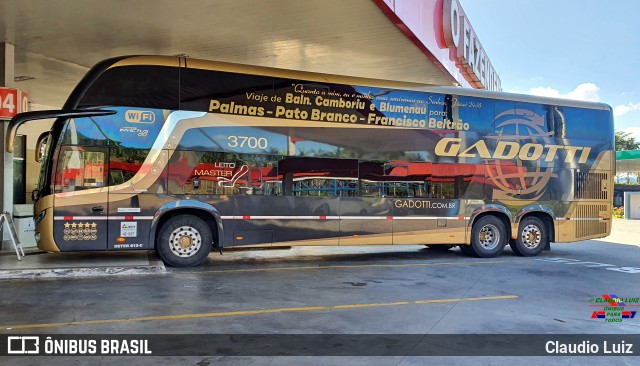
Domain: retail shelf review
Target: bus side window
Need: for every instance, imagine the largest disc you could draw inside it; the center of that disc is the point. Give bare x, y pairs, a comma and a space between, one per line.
81, 168
124, 164
395, 178
319, 177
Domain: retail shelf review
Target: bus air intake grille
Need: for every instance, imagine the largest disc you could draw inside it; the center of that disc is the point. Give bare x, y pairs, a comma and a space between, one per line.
591, 185
591, 225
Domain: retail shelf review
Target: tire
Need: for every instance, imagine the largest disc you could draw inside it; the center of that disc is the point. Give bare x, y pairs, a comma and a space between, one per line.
467, 250
184, 241
532, 237
441, 247
489, 236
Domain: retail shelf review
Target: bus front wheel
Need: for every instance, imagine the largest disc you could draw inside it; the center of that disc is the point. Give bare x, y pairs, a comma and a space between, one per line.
489, 236
184, 241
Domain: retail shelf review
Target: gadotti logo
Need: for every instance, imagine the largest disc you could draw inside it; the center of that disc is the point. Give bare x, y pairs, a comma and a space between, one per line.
520, 136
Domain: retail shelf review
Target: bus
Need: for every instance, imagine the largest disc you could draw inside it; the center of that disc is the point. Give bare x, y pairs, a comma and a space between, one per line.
186, 156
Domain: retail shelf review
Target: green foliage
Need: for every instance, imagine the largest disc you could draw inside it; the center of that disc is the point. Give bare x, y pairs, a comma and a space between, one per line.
624, 141
618, 212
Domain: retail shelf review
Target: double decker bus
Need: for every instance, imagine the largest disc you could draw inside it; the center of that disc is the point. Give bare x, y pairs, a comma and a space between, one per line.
185, 156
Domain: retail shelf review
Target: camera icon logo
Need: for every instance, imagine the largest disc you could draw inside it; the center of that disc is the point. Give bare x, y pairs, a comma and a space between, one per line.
23, 345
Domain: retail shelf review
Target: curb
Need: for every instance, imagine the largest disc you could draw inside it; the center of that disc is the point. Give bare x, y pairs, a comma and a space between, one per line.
80, 272
154, 267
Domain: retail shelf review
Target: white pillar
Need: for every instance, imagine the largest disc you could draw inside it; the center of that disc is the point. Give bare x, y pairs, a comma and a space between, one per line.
7, 60
632, 205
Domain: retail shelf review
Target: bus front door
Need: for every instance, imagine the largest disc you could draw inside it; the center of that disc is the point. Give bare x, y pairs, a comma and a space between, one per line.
80, 199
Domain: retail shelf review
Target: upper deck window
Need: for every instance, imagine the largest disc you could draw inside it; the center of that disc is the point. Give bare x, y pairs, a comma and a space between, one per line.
139, 86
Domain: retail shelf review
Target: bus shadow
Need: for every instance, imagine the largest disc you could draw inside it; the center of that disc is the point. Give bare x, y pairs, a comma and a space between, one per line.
300, 256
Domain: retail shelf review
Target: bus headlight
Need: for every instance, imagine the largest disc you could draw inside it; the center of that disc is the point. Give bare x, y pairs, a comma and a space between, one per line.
40, 216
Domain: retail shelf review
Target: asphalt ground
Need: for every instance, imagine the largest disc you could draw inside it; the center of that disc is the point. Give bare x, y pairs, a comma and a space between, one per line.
342, 290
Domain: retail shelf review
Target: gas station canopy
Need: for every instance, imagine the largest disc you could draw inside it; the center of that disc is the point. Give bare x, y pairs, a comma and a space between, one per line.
56, 42
46, 47
628, 161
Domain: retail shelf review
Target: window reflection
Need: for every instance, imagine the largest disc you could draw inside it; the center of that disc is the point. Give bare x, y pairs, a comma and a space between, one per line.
207, 173
80, 168
84, 131
199, 172
317, 142
319, 177
124, 164
395, 179
221, 173
418, 179
452, 180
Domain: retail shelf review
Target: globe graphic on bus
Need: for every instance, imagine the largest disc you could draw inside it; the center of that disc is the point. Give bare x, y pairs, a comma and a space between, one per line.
518, 180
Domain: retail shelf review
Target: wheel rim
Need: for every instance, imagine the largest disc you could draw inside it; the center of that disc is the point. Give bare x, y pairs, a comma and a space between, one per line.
185, 241
489, 237
531, 236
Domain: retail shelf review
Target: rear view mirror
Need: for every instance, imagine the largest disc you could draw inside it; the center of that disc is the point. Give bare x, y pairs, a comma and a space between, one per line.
41, 145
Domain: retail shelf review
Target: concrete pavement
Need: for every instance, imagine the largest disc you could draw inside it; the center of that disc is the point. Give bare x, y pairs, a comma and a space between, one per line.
345, 290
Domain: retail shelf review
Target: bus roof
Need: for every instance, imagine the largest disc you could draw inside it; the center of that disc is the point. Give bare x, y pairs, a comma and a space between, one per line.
174, 61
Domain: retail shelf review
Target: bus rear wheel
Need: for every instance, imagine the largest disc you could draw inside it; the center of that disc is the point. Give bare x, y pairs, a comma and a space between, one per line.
184, 241
488, 237
532, 237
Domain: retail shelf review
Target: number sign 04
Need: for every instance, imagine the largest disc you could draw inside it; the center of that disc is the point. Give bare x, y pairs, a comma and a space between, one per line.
12, 102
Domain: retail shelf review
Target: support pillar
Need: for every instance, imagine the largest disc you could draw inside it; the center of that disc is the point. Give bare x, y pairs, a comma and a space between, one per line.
7, 73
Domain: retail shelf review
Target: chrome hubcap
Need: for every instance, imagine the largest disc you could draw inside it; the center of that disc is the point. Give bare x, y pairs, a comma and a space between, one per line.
531, 236
185, 241
489, 237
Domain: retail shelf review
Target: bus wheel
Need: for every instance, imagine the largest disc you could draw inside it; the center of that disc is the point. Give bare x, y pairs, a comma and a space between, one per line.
532, 237
184, 241
488, 237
